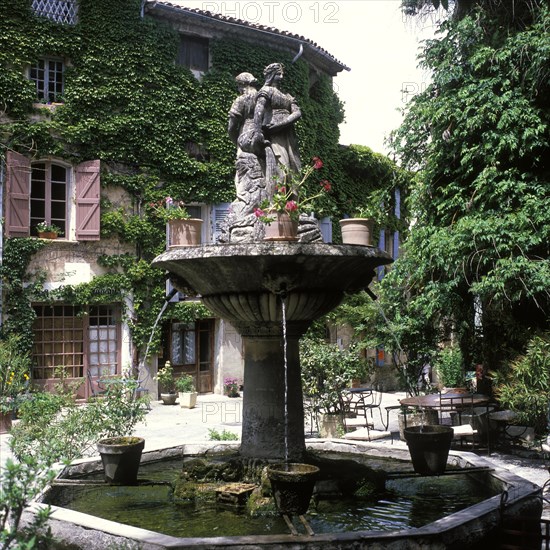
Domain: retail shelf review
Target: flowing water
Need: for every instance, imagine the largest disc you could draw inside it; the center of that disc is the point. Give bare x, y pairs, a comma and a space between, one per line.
283, 307
406, 503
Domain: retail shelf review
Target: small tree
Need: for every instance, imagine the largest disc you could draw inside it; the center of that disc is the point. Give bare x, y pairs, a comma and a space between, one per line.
327, 371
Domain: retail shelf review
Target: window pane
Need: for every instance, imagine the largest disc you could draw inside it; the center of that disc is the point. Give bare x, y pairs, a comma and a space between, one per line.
194, 53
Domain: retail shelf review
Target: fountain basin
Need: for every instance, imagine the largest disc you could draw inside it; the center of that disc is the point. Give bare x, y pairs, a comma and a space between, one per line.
463, 529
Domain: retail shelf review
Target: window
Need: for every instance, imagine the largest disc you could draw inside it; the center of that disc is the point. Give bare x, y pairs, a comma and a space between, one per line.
60, 11
48, 195
183, 344
48, 190
76, 341
47, 74
193, 54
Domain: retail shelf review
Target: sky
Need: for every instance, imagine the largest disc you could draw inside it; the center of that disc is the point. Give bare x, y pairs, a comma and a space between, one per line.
371, 37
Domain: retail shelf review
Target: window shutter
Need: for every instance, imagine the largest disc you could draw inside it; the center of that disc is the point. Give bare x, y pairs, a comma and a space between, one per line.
220, 212
18, 187
87, 200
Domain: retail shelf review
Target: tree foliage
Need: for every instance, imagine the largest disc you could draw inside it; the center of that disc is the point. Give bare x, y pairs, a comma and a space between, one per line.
475, 266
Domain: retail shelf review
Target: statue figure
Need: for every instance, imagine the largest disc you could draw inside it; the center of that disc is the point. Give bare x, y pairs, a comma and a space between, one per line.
274, 118
261, 125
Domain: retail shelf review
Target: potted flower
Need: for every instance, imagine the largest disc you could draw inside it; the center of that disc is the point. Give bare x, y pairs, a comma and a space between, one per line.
281, 212
47, 230
231, 387
186, 389
183, 230
165, 378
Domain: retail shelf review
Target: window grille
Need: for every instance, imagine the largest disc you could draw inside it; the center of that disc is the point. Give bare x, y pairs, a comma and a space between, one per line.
60, 11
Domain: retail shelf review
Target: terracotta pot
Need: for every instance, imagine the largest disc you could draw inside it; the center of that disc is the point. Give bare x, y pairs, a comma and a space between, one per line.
429, 448
292, 486
5, 422
357, 231
332, 426
184, 232
121, 457
282, 228
47, 235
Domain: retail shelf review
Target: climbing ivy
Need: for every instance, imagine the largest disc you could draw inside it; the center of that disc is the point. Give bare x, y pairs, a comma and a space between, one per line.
127, 103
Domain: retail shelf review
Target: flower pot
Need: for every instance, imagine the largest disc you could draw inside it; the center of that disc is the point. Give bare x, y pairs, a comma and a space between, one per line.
188, 400
357, 231
121, 457
416, 418
5, 422
47, 234
292, 486
332, 426
282, 228
184, 232
169, 398
429, 448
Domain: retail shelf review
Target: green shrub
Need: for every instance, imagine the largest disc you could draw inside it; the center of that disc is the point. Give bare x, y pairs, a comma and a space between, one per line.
448, 365
55, 426
224, 435
524, 385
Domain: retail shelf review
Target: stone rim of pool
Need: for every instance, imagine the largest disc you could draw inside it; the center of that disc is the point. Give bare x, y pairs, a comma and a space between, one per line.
458, 530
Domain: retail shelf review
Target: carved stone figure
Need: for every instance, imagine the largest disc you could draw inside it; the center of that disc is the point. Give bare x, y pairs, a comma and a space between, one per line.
261, 124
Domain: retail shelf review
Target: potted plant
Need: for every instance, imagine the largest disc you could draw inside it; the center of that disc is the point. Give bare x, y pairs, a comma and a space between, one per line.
47, 230
327, 371
118, 413
359, 228
165, 378
186, 389
281, 212
183, 230
231, 387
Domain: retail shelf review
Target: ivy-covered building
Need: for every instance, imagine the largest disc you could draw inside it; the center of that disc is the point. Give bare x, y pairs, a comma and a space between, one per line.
106, 109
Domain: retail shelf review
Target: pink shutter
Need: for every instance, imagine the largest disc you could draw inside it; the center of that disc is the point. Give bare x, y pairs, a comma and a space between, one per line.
18, 188
87, 200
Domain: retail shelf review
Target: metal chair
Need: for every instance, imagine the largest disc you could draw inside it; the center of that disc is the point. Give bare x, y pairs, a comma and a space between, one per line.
457, 411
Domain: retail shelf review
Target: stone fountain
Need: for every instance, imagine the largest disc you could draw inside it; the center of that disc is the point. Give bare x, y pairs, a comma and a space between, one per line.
246, 285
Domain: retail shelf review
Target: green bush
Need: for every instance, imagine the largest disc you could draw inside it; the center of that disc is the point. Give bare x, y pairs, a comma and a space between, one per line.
185, 384
448, 365
55, 426
326, 372
524, 385
224, 435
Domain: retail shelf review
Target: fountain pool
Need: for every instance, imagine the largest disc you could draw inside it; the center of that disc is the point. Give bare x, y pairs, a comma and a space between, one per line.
444, 519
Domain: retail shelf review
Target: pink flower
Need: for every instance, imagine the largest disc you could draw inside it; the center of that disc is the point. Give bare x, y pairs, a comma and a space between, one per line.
258, 212
291, 206
326, 185
317, 163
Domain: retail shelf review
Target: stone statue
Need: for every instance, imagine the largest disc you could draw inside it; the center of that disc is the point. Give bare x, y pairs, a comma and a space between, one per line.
261, 125
274, 118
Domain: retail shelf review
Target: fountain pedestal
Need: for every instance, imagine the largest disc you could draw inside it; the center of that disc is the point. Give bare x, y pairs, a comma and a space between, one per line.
245, 284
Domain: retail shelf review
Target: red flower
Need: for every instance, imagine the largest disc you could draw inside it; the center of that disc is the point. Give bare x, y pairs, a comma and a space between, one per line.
317, 163
325, 184
258, 212
291, 206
